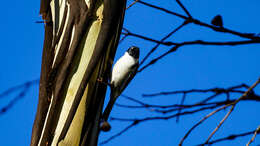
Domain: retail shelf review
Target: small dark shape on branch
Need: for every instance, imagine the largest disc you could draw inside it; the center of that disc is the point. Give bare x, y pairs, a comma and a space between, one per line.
217, 21
105, 126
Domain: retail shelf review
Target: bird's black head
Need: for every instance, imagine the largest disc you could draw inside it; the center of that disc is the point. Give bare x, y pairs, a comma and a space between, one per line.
134, 52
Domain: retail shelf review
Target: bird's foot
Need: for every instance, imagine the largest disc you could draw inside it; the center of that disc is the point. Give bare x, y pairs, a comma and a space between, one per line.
103, 82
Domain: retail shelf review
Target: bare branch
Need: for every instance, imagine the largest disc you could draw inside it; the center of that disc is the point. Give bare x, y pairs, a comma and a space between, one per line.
162, 9
177, 107
220, 124
15, 88
162, 40
119, 133
179, 110
201, 121
164, 117
128, 33
135, 121
214, 90
219, 109
257, 131
198, 22
182, 6
230, 137
25, 87
132, 4
198, 42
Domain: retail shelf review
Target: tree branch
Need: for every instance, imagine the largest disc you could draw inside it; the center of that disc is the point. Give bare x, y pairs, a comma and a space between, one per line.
219, 109
257, 131
230, 137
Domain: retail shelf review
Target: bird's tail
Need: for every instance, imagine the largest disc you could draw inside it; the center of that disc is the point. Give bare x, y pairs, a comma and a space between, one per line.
109, 106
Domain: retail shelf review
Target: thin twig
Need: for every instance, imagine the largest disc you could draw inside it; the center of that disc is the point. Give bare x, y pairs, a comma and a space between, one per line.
132, 4
220, 124
257, 131
162, 40
176, 107
119, 133
158, 58
122, 39
214, 90
201, 121
128, 33
179, 110
198, 42
21, 95
182, 6
164, 117
230, 137
18, 97
15, 88
197, 22
219, 109
162, 9
149, 119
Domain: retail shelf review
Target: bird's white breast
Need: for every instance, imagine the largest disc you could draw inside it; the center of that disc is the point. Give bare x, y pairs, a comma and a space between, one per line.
122, 69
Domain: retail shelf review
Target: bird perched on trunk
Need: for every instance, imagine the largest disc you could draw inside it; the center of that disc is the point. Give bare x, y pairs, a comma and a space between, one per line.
217, 21
123, 72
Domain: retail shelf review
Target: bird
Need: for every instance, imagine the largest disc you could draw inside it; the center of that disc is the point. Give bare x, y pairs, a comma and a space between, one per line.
123, 72
217, 21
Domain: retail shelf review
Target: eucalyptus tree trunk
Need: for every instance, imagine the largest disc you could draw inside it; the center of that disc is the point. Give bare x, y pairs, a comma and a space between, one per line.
81, 37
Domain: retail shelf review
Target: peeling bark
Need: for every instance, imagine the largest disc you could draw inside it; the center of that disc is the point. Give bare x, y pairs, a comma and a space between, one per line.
81, 38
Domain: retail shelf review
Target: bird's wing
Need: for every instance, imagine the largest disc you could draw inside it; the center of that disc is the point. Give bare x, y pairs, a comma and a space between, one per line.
116, 91
131, 75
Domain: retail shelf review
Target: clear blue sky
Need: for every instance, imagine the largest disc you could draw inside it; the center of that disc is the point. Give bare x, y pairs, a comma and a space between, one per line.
190, 67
